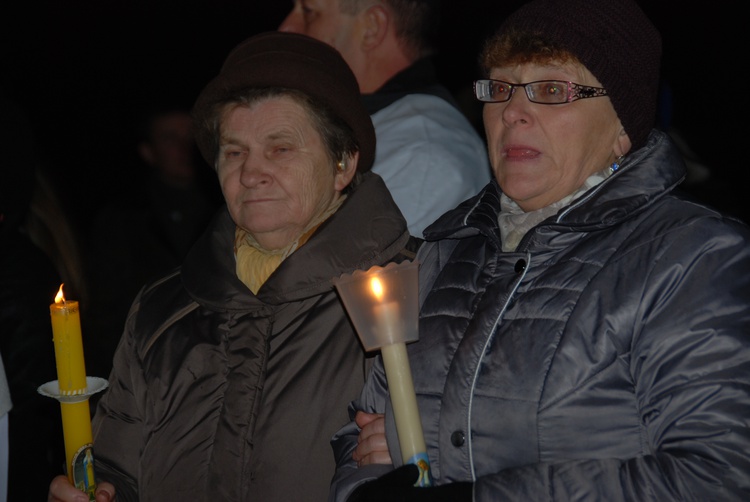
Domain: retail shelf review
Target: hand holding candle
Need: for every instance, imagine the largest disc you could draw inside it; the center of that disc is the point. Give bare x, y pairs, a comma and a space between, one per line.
382, 303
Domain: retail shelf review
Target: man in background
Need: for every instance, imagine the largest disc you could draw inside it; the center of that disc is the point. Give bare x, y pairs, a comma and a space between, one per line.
146, 229
429, 155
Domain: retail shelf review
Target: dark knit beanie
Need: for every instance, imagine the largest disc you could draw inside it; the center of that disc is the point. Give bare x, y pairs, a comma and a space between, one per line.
292, 61
615, 41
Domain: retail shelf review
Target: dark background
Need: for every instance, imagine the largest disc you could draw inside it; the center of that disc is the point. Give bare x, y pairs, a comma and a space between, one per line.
82, 70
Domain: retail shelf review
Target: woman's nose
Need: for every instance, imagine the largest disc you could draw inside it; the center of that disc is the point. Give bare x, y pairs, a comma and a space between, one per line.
254, 172
517, 108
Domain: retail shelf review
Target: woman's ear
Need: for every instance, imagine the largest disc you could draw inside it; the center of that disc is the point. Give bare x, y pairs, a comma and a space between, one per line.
345, 171
622, 143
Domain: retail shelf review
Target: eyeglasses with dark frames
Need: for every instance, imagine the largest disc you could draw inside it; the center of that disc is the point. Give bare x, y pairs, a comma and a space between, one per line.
544, 92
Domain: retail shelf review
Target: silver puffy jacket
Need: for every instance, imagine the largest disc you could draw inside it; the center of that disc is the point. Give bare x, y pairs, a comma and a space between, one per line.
607, 359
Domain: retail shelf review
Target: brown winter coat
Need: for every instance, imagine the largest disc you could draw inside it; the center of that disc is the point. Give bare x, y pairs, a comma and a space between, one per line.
219, 394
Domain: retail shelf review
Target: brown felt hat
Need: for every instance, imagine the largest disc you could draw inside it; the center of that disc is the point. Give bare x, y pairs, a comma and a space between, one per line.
292, 61
615, 41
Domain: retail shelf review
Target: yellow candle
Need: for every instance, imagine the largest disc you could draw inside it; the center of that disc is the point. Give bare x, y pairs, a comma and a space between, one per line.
71, 377
66, 332
76, 419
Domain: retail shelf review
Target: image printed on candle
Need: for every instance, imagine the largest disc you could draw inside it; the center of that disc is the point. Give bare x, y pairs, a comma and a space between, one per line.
83, 470
425, 475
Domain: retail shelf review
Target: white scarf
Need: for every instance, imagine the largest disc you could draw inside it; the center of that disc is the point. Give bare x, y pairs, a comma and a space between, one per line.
514, 222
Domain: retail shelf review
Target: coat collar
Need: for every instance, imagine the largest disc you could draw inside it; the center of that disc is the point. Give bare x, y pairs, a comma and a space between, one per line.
343, 244
644, 177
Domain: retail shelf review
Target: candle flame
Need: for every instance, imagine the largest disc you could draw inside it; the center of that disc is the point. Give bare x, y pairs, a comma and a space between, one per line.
377, 288
60, 297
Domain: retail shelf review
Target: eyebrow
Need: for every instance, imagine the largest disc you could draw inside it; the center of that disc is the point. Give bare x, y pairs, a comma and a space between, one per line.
281, 135
276, 135
227, 141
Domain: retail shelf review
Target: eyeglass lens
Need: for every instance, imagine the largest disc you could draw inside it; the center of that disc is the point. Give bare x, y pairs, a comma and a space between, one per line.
548, 92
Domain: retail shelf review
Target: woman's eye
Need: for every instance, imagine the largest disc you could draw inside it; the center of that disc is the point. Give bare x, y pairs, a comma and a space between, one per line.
499, 90
281, 150
553, 89
232, 154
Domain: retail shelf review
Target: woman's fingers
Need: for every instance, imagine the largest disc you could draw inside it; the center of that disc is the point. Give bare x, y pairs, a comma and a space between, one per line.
372, 447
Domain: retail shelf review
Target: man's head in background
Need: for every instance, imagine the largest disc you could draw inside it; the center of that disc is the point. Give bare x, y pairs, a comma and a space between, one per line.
377, 38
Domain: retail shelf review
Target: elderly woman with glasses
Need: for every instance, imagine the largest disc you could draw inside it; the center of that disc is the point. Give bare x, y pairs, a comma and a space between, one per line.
584, 329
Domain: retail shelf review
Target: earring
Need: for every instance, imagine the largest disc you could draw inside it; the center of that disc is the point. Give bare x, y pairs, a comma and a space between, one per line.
616, 164
341, 166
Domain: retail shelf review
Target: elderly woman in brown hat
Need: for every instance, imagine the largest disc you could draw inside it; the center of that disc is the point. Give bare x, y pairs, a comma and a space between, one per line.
234, 372
585, 329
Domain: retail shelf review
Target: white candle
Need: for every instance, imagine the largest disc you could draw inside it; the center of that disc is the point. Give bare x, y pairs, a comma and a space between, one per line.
404, 401
388, 323
400, 384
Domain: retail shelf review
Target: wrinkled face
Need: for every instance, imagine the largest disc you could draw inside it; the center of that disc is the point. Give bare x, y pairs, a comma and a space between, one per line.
322, 20
274, 171
542, 153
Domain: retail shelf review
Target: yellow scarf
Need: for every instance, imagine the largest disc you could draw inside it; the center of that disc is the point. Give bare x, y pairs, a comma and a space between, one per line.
256, 264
